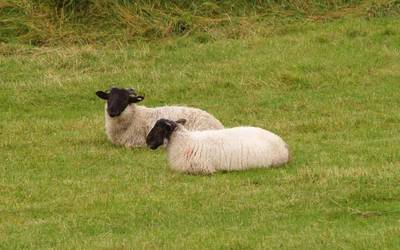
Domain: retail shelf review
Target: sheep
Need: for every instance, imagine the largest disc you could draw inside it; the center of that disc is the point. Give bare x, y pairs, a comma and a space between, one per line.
128, 124
204, 152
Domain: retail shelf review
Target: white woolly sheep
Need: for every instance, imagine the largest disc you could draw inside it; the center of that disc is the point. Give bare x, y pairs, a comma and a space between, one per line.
128, 124
208, 151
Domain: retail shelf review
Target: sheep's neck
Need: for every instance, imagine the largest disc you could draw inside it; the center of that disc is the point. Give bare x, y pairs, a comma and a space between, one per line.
118, 126
179, 135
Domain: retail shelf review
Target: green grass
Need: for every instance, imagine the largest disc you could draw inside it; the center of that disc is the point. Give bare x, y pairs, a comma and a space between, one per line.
61, 22
330, 89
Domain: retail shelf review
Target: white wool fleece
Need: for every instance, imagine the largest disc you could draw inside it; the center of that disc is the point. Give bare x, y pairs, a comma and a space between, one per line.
227, 149
132, 126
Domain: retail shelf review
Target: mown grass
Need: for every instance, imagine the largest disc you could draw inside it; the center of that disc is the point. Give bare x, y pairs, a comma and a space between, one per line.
330, 89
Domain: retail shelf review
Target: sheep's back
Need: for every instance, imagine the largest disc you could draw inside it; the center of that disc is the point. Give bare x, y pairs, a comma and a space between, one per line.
240, 148
196, 119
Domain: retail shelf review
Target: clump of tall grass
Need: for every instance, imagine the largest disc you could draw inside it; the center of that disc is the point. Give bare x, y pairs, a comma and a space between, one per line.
384, 8
47, 22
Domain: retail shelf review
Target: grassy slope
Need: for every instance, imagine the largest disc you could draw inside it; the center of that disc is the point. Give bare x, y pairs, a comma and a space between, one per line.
68, 22
330, 89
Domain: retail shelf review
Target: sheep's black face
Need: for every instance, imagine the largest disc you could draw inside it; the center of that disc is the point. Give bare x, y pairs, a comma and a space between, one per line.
118, 99
162, 130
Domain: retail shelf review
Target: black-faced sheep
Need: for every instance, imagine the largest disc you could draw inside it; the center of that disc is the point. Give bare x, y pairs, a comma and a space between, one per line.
204, 152
128, 124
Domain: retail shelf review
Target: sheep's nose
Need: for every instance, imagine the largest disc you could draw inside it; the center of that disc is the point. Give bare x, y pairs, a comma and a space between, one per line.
113, 114
153, 146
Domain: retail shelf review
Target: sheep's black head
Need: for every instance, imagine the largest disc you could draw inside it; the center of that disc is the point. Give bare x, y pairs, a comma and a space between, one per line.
118, 99
162, 131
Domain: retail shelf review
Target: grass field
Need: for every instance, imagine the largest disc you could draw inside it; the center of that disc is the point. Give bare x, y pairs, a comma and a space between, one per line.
330, 89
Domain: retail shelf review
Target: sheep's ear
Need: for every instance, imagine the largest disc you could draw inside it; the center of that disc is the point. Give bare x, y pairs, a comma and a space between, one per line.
181, 121
134, 99
170, 124
102, 95
131, 91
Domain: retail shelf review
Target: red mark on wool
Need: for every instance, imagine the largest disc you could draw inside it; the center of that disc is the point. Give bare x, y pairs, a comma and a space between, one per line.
188, 153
